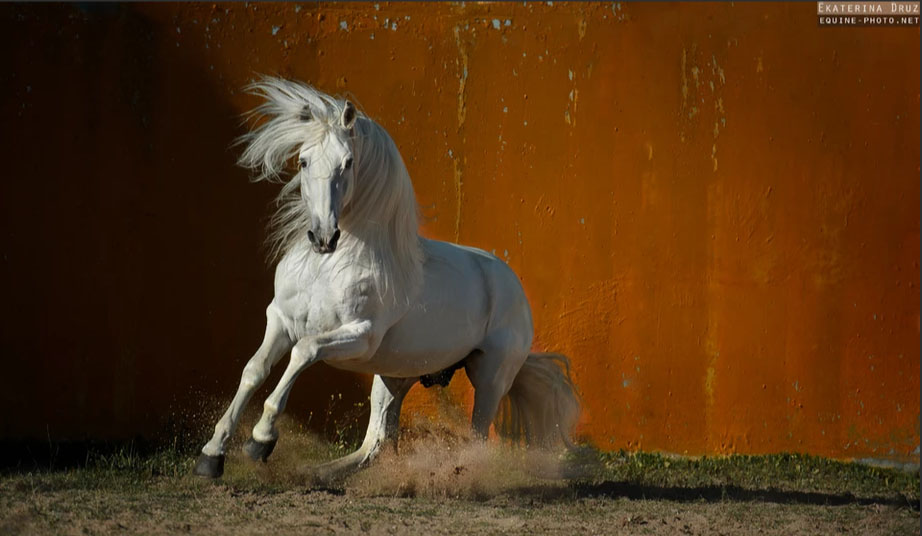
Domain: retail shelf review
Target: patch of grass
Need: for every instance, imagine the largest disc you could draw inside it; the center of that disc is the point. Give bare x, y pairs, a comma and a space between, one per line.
781, 472
120, 470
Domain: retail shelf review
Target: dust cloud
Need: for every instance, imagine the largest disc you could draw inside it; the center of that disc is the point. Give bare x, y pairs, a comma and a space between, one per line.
435, 461
432, 459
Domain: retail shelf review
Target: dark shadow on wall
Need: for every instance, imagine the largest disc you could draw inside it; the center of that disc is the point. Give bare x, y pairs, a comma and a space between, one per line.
132, 273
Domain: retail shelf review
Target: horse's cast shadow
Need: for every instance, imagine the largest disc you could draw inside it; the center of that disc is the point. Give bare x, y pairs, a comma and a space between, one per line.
538, 494
715, 493
706, 494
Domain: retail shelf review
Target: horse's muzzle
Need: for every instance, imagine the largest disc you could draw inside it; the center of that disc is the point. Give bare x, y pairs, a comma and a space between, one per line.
321, 245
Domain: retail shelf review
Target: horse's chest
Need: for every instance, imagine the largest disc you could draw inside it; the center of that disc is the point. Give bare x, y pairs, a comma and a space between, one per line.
314, 310
317, 305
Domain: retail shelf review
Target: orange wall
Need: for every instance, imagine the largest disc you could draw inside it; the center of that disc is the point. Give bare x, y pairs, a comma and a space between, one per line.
713, 207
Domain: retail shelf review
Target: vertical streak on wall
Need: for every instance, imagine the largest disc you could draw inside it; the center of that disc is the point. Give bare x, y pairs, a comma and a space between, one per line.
712, 345
718, 204
692, 97
462, 110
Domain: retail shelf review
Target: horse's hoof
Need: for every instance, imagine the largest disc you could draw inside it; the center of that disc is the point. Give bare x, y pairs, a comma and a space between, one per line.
257, 450
209, 466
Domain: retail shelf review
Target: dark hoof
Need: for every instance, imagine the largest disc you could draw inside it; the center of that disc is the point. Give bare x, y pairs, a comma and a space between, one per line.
210, 466
257, 450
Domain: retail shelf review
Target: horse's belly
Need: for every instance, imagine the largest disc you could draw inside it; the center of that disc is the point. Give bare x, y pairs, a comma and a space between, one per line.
403, 364
442, 328
416, 348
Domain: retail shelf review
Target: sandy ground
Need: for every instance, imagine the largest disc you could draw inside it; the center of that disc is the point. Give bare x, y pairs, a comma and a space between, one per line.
442, 484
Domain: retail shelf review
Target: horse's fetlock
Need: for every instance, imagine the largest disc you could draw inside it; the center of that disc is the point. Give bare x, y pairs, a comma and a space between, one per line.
270, 408
265, 433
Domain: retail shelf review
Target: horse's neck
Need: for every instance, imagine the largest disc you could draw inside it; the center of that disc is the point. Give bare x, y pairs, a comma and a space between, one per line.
353, 261
397, 276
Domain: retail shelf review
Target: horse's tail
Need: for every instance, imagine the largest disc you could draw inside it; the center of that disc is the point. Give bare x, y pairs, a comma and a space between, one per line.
542, 406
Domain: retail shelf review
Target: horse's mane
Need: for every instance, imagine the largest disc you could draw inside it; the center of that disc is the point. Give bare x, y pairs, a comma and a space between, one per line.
380, 223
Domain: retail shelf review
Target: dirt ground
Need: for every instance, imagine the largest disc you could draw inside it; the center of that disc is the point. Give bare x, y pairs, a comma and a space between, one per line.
166, 507
447, 485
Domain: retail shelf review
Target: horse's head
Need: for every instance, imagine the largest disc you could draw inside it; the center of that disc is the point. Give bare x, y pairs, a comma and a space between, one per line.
326, 177
370, 201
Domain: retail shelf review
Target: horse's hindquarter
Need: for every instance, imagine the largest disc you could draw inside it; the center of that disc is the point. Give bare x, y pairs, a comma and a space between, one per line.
466, 293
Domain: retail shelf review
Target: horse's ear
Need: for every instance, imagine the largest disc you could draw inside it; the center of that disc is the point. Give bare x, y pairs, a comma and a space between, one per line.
348, 118
305, 114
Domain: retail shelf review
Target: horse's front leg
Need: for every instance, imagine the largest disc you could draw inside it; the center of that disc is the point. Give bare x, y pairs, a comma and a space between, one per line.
346, 342
275, 343
383, 423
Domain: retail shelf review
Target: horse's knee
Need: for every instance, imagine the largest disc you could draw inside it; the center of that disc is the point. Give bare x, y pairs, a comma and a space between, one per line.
254, 374
303, 352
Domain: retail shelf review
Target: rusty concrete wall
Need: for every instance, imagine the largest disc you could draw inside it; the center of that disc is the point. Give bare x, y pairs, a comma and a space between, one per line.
713, 207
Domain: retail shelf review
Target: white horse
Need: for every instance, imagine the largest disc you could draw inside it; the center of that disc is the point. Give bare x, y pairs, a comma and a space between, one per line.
360, 290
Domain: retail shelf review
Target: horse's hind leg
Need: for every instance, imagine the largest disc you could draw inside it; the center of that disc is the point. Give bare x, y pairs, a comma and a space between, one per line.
275, 344
491, 372
383, 424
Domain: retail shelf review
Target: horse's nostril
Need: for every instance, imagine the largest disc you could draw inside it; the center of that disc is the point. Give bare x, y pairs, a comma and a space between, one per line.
334, 239
310, 236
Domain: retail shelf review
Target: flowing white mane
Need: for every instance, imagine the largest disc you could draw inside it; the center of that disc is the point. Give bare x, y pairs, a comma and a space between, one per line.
379, 225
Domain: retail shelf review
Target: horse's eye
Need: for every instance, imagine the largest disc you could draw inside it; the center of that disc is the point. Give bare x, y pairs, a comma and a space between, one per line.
303, 163
348, 163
